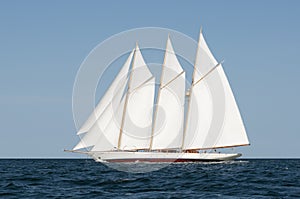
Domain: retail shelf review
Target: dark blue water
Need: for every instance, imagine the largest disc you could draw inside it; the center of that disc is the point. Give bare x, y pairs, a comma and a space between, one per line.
88, 179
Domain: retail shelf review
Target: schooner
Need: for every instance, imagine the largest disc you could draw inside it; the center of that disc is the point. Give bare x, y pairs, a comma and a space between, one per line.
126, 126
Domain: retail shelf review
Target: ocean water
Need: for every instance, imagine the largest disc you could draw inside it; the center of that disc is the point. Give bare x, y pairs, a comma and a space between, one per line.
84, 178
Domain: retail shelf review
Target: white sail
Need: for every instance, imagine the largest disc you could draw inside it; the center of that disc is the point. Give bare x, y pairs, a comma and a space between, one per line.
233, 132
108, 139
213, 119
138, 118
140, 73
199, 117
106, 99
168, 126
113, 96
108, 120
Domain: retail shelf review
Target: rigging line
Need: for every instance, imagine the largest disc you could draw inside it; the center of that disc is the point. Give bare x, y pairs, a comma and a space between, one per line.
210, 71
172, 80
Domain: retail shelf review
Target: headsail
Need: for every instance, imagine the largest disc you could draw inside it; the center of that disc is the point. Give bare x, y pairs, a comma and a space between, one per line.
108, 138
168, 124
213, 119
106, 99
104, 132
104, 113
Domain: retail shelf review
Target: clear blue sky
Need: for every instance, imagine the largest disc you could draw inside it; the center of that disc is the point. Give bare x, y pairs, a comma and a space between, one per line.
42, 44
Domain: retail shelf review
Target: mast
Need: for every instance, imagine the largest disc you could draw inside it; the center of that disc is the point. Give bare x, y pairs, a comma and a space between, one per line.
158, 96
191, 91
126, 99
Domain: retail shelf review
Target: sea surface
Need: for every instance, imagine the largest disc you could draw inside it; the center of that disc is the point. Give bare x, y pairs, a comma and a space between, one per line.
84, 178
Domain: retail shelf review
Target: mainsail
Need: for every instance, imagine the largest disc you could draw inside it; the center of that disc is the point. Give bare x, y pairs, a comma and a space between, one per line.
213, 119
168, 124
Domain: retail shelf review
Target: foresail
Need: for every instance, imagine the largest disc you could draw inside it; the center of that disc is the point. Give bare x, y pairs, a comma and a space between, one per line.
106, 99
138, 119
138, 113
214, 119
168, 126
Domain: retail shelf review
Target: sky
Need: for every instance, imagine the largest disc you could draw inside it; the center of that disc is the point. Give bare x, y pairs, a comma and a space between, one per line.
43, 43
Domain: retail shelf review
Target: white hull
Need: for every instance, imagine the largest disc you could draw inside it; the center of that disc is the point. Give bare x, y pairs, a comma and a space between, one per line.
126, 156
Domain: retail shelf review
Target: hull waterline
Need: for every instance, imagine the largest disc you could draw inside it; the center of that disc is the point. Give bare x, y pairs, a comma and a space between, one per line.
160, 157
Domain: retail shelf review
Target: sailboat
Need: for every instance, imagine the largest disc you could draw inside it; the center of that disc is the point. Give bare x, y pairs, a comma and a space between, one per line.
129, 125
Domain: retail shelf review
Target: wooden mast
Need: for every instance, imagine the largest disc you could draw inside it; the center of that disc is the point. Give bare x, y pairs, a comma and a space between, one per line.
126, 99
158, 96
191, 91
